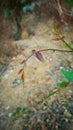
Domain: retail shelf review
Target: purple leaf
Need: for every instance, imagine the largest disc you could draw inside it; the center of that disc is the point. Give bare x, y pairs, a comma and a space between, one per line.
38, 55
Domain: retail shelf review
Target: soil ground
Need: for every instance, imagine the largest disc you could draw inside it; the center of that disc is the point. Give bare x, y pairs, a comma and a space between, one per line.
40, 78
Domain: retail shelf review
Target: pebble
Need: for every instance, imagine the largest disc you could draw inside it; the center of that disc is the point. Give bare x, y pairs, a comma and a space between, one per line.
48, 118
13, 58
50, 59
6, 76
29, 8
61, 67
44, 107
70, 91
59, 111
70, 104
16, 82
67, 114
11, 71
10, 115
19, 81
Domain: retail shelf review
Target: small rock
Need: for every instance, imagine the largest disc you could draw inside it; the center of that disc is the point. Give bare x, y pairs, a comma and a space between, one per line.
61, 67
59, 111
11, 71
48, 118
6, 76
19, 81
70, 104
44, 107
67, 114
29, 8
50, 59
10, 115
70, 91
66, 120
16, 82
13, 58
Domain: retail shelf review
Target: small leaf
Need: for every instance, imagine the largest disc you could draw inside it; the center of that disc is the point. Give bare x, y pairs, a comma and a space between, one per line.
49, 95
26, 110
20, 71
68, 75
59, 38
22, 62
63, 84
56, 39
17, 111
39, 56
22, 77
56, 31
33, 51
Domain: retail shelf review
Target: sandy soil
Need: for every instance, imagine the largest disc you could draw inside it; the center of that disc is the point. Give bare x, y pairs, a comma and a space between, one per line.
40, 78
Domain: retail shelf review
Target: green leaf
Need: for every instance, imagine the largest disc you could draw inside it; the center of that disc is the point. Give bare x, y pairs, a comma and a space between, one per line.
17, 111
69, 2
48, 96
26, 110
68, 75
21, 110
62, 84
66, 44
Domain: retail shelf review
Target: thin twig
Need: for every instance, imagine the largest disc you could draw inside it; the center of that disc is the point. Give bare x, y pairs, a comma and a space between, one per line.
55, 50
48, 50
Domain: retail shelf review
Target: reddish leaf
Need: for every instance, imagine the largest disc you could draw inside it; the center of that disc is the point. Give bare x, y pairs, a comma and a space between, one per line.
20, 71
33, 51
22, 77
57, 39
62, 37
23, 61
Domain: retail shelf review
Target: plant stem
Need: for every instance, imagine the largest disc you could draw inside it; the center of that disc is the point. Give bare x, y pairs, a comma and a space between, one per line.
55, 50
48, 50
